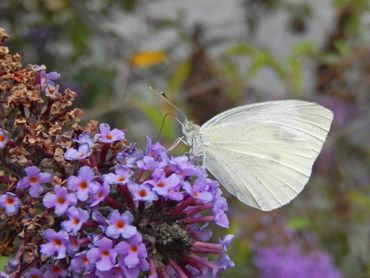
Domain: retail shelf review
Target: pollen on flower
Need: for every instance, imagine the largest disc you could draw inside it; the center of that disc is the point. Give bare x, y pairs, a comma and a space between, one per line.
58, 242
34, 179
2, 138
142, 193
133, 248
61, 200
56, 269
10, 200
120, 224
83, 185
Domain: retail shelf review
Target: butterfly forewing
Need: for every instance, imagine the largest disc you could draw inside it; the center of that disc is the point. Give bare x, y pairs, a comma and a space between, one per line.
263, 153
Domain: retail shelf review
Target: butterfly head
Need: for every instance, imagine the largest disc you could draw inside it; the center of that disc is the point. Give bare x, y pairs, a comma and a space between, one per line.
193, 137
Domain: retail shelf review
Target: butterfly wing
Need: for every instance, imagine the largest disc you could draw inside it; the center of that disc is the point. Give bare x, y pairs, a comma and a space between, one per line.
263, 153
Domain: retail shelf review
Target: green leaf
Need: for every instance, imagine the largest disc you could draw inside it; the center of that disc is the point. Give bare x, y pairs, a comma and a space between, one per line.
299, 223
264, 59
3, 262
178, 78
343, 47
295, 74
241, 49
232, 72
303, 48
359, 198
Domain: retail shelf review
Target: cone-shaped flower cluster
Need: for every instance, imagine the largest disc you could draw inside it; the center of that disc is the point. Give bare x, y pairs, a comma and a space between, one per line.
83, 202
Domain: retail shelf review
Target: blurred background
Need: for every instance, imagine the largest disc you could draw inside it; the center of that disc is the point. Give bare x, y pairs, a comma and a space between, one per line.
208, 56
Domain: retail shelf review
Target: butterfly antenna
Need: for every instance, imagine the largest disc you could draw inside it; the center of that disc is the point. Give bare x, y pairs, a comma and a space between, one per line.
164, 97
162, 124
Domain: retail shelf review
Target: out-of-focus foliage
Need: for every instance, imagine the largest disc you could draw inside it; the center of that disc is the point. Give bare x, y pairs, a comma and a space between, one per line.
112, 51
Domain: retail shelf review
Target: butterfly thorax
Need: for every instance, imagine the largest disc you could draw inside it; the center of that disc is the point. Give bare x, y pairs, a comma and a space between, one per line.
193, 138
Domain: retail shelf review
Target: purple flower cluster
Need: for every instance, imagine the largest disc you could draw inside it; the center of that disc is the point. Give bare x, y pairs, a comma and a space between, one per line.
124, 212
292, 262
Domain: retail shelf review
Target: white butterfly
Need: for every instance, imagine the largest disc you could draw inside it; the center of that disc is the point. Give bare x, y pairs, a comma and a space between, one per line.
262, 153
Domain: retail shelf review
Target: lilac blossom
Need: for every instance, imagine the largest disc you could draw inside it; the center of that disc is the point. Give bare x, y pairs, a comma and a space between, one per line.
156, 150
61, 200
292, 262
121, 176
182, 166
85, 138
80, 263
3, 138
103, 254
73, 245
46, 78
120, 225
100, 194
150, 163
76, 218
34, 180
142, 192
57, 244
33, 273
199, 190
107, 135
219, 208
132, 251
10, 202
162, 184
84, 183
54, 271
224, 261
82, 152
129, 156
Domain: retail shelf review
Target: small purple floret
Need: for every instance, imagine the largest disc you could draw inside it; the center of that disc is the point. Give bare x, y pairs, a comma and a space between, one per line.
34, 180
61, 200
107, 135
9, 202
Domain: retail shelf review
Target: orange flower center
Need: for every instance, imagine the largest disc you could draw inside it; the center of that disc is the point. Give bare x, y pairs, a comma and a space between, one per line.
142, 193
105, 253
2, 138
161, 184
76, 220
120, 224
56, 269
61, 200
74, 242
196, 194
83, 185
57, 241
100, 194
85, 260
34, 179
35, 276
109, 136
10, 200
121, 179
133, 248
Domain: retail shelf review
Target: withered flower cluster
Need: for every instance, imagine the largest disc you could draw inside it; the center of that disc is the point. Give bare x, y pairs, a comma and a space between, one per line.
81, 201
